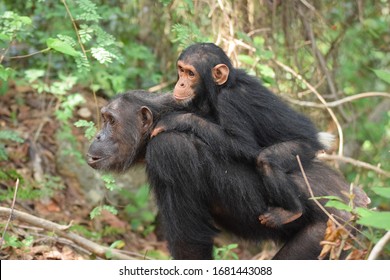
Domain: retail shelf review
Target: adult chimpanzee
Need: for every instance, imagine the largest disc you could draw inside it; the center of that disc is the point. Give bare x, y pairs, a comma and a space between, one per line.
244, 120
196, 192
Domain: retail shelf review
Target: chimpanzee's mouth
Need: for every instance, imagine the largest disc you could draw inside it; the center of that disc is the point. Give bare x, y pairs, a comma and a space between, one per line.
92, 160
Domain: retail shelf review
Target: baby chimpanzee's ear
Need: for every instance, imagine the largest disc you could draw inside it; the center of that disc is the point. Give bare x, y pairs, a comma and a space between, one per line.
220, 74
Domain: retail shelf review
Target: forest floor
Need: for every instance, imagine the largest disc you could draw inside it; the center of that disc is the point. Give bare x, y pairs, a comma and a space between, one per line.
57, 187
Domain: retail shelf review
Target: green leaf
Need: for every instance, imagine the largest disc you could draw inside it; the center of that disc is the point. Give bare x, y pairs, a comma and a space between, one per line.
102, 55
5, 73
109, 254
3, 153
148, 216
374, 219
82, 64
246, 59
131, 209
28, 241
109, 181
232, 246
384, 192
259, 41
33, 74
266, 71
119, 244
12, 241
328, 197
25, 20
90, 128
97, 211
11, 136
110, 209
62, 47
363, 212
383, 75
142, 195
338, 205
5, 38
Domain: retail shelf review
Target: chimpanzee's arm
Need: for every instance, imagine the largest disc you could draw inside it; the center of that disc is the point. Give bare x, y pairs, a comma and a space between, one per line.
176, 176
284, 155
280, 155
224, 143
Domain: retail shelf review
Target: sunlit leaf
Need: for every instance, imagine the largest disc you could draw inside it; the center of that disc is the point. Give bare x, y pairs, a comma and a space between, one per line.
374, 219
246, 59
62, 47
119, 244
383, 75
385, 192
338, 205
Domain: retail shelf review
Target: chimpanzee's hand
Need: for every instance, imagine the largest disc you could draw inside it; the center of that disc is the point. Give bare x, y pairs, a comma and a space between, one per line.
178, 122
275, 217
276, 156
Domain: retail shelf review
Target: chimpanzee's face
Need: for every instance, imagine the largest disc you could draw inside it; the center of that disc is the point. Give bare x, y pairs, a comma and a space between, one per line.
189, 79
117, 145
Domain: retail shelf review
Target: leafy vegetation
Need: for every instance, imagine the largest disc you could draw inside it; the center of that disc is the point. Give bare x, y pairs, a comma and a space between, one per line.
57, 57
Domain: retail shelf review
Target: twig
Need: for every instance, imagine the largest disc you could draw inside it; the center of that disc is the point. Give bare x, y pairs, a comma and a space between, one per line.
320, 205
11, 213
323, 101
304, 92
260, 30
340, 101
308, 5
2, 56
312, 194
355, 162
379, 246
75, 28
30, 54
60, 230
160, 86
85, 55
317, 52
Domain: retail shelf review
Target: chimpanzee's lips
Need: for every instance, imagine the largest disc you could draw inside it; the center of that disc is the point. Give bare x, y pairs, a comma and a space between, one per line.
92, 160
183, 97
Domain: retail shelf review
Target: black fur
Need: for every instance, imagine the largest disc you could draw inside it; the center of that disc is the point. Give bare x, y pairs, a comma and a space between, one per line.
244, 120
197, 193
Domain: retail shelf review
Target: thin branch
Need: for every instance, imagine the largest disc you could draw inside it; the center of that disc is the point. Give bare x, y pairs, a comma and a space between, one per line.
308, 5
317, 52
85, 54
60, 230
378, 248
315, 11
31, 54
75, 27
2, 56
312, 194
260, 30
323, 101
320, 205
160, 86
356, 163
11, 213
308, 91
340, 101
358, 96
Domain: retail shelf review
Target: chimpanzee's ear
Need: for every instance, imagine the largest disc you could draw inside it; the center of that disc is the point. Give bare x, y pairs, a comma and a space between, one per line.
146, 119
220, 74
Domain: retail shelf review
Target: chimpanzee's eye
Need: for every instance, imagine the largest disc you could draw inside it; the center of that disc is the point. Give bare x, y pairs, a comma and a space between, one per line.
111, 119
108, 118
